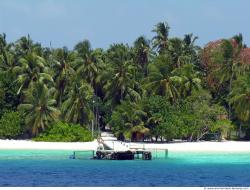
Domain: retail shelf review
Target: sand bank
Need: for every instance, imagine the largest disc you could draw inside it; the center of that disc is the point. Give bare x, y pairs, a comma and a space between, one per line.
31, 145
226, 146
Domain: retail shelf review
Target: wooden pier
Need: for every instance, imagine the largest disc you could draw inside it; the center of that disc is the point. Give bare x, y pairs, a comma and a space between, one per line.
122, 155
109, 148
138, 154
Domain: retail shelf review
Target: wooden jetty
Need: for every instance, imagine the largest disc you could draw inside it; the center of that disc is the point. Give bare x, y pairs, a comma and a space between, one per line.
135, 154
112, 149
122, 155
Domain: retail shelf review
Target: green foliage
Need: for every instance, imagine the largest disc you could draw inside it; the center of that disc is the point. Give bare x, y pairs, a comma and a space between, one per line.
121, 84
189, 119
76, 108
64, 132
239, 98
127, 118
9, 100
161, 81
157, 87
38, 108
160, 40
10, 125
222, 126
203, 114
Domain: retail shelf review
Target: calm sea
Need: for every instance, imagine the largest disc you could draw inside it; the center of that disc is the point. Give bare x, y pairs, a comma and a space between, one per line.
54, 168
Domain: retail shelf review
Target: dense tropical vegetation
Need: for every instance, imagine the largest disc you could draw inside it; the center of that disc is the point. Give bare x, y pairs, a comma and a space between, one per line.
159, 89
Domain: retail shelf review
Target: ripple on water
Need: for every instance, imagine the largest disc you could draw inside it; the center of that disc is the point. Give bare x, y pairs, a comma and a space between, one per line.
53, 168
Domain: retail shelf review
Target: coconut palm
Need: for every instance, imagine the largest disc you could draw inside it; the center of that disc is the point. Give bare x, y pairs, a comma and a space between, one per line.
176, 51
127, 119
190, 49
189, 42
89, 61
23, 46
161, 80
62, 65
160, 40
3, 42
189, 79
229, 66
239, 97
39, 108
238, 39
31, 68
7, 60
142, 48
121, 83
76, 107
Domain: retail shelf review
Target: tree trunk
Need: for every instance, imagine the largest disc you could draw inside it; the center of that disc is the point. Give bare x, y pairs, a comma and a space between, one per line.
230, 89
191, 137
156, 138
239, 131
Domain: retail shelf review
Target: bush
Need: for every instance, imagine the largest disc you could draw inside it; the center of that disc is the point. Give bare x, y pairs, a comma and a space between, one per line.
10, 125
64, 132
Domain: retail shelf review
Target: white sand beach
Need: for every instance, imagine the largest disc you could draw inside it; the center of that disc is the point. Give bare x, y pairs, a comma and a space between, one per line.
225, 146
32, 145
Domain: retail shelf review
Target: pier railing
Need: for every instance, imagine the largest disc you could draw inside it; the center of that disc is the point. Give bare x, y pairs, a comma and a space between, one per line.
156, 153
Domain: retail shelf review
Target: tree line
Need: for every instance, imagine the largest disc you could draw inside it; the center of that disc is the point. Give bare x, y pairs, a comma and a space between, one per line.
157, 89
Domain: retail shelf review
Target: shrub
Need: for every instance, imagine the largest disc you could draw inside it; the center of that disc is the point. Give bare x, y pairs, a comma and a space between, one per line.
10, 125
64, 132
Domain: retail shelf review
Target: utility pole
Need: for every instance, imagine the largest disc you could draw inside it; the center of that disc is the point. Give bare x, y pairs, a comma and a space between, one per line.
92, 128
93, 120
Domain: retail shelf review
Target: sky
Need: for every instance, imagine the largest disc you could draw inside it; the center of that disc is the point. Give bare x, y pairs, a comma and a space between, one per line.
104, 22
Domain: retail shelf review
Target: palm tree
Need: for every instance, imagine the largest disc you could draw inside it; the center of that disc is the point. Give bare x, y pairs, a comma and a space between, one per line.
62, 65
7, 60
238, 39
3, 42
142, 48
31, 69
23, 46
189, 43
189, 79
121, 83
89, 62
83, 48
76, 107
176, 51
127, 118
183, 51
160, 40
229, 66
161, 80
191, 50
39, 108
239, 98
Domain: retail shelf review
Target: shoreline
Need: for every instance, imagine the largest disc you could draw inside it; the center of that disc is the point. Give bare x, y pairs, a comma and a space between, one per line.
202, 146
34, 145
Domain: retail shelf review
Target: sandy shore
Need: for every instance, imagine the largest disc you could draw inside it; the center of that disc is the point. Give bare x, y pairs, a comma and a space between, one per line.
31, 145
226, 146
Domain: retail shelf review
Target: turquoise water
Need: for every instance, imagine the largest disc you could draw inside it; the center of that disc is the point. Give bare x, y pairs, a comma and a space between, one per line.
54, 168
